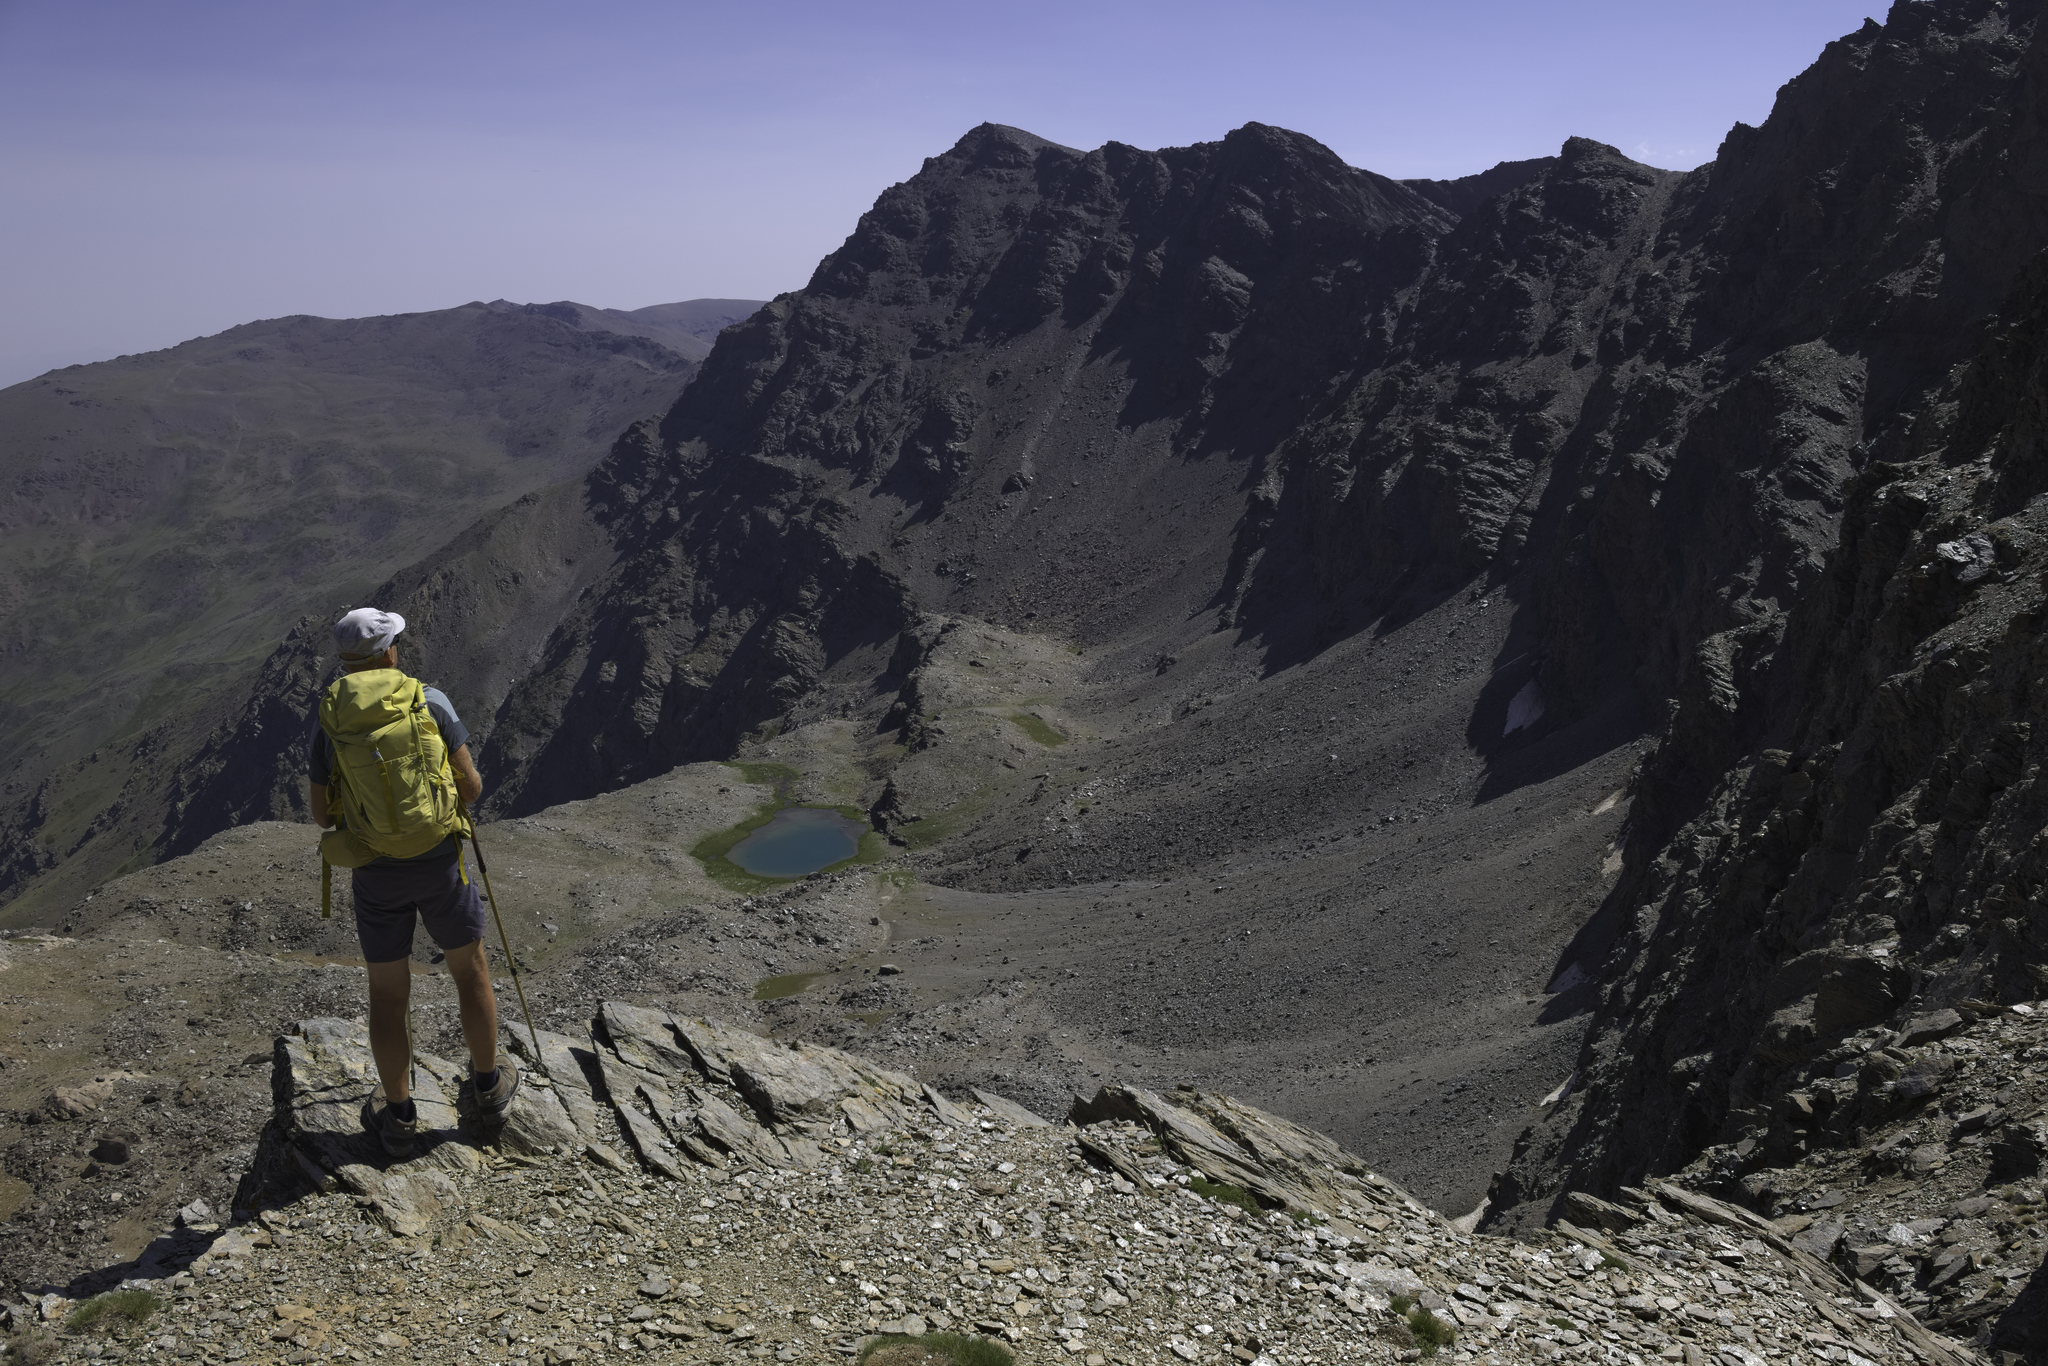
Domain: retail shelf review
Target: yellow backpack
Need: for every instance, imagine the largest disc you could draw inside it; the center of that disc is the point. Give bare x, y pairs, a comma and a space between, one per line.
392, 793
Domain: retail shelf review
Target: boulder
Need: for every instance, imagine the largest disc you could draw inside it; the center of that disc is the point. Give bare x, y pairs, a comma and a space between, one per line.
1591, 1210
1930, 1028
1227, 1141
1003, 1108
2016, 1150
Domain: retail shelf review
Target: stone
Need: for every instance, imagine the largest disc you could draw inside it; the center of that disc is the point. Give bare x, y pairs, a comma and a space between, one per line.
73, 1101
2016, 1150
197, 1212
1284, 1164
111, 1151
1970, 1121
605, 1156
407, 1202
647, 1141
1003, 1108
646, 1039
1967, 559
949, 1114
1591, 1210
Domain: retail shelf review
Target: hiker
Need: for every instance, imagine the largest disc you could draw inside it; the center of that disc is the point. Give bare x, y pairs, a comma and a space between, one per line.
397, 803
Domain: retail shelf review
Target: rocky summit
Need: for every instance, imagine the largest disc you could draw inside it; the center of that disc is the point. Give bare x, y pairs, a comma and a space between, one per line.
675, 1188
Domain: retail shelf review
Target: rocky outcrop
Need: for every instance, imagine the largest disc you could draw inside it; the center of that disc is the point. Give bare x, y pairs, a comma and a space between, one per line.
961, 1221
687, 1092
680, 1091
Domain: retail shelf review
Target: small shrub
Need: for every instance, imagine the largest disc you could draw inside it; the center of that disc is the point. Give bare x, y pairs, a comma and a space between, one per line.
1610, 1262
863, 1165
31, 1346
1400, 1304
934, 1349
1563, 1324
135, 1306
1432, 1334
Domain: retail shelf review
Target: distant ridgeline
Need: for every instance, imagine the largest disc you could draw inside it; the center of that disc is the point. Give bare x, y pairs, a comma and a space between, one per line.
1750, 452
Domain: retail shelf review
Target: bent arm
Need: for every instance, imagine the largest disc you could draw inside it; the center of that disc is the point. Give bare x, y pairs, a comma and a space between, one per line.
469, 785
318, 802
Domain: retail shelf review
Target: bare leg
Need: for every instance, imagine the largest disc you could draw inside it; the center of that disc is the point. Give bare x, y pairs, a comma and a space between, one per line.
390, 992
479, 1006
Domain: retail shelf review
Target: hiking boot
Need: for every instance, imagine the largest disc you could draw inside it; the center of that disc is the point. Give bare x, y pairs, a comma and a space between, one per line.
491, 1105
395, 1134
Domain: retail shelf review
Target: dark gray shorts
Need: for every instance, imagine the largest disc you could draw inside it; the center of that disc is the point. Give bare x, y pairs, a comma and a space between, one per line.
389, 895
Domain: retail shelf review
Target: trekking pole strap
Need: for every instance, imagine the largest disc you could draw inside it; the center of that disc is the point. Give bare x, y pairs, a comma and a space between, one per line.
326, 889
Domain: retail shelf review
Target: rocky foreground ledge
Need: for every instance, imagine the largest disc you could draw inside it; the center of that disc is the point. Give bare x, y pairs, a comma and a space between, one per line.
681, 1189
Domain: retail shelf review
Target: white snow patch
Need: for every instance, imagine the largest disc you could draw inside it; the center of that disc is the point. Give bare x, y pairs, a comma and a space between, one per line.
1526, 708
1572, 975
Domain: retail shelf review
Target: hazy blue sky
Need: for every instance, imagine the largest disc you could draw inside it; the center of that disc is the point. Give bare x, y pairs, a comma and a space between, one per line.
170, 169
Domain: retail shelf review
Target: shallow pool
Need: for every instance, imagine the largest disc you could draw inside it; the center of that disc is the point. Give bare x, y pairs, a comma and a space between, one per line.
801, 839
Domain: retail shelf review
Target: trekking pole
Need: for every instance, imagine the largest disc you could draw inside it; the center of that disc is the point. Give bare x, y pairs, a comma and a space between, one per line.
484, 871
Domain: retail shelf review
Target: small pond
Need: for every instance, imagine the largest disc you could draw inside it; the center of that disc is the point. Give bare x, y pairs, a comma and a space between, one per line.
800, 840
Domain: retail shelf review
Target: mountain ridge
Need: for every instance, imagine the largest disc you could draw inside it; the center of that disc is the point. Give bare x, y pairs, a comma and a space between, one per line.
167, 514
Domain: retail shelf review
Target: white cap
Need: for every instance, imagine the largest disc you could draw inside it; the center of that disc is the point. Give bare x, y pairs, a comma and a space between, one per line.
366, 632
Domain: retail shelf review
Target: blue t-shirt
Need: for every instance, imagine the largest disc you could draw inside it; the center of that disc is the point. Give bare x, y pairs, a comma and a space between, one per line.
320, 760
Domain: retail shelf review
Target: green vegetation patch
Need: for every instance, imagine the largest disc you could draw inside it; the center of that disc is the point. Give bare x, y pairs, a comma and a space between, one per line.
1432, 1334
933, 1349
923, 834
1036, 728
1223, 1193
781, 777
787, 985
132, 1306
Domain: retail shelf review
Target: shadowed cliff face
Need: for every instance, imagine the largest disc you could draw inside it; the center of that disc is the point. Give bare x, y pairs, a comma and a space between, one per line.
1264, 437
1873, 853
